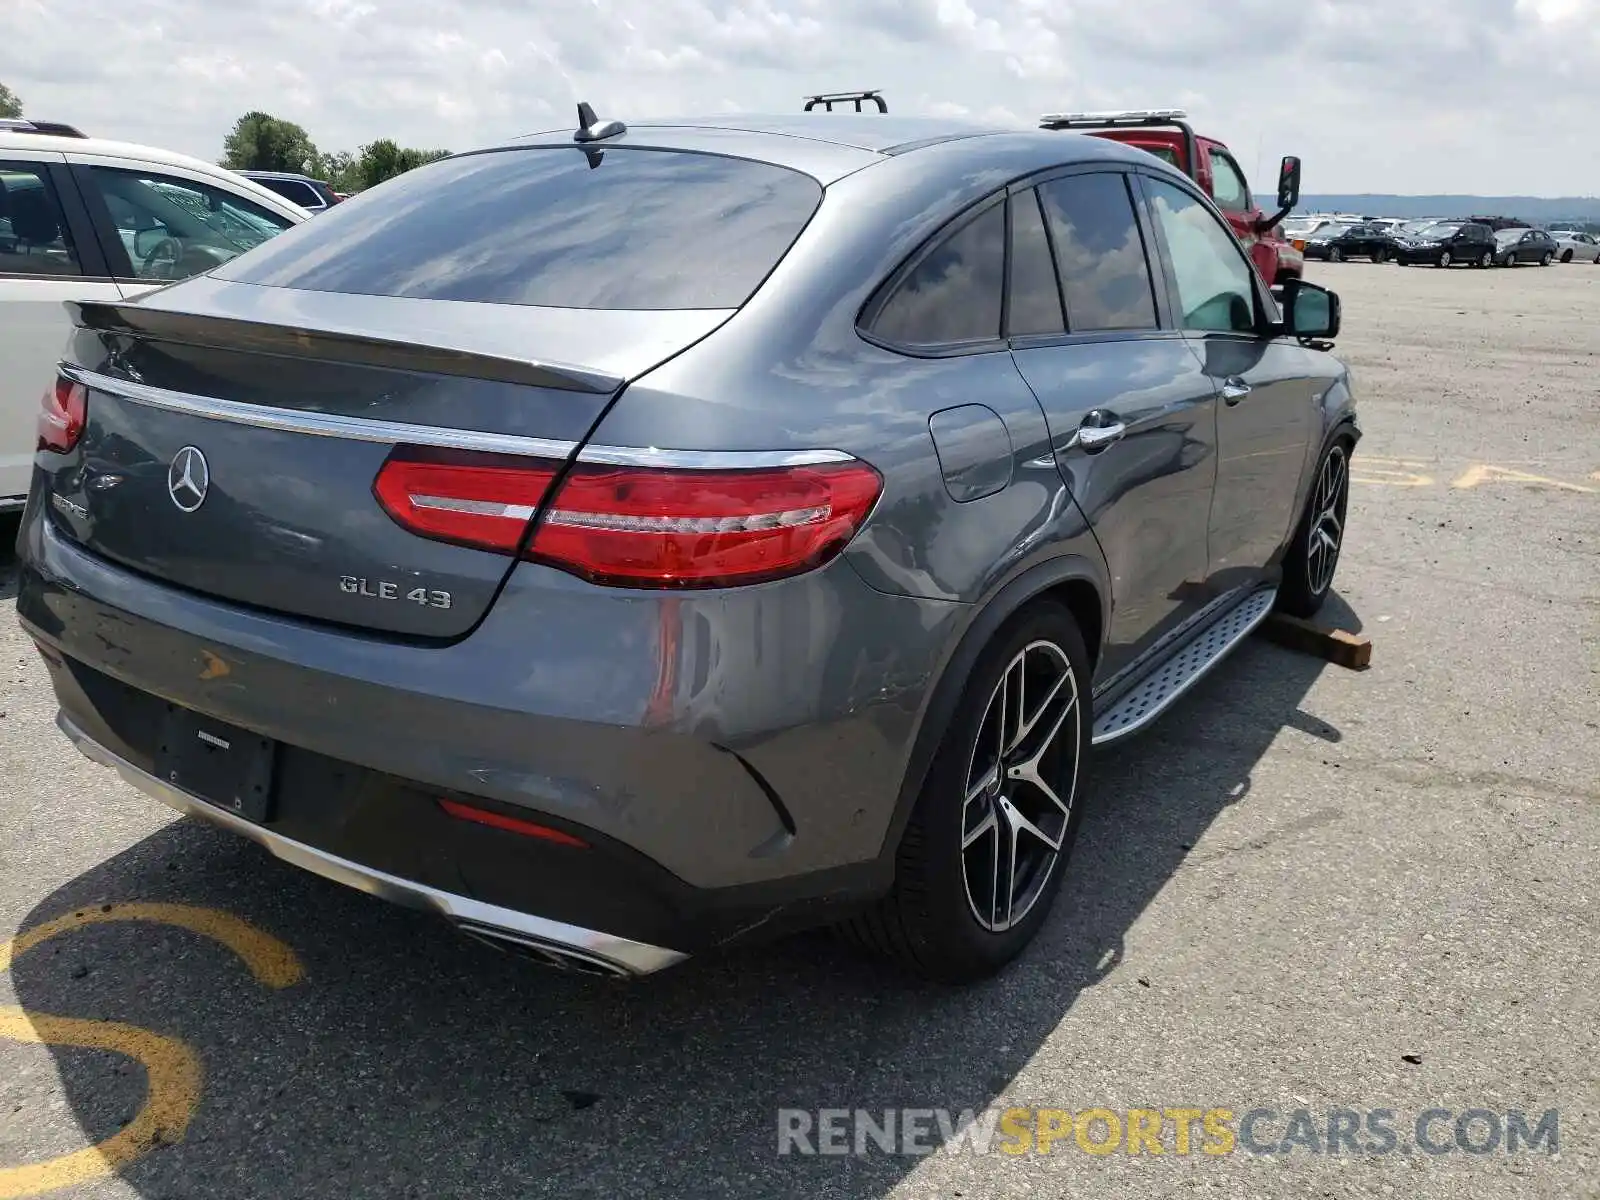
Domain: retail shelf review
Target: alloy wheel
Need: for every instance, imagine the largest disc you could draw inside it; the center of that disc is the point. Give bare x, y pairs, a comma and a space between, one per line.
1021, 781
1486, 260
1545, 261
1327, 521
1335, 254
1444, 258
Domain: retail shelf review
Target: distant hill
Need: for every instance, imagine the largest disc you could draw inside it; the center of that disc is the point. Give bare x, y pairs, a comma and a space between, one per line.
1537, 209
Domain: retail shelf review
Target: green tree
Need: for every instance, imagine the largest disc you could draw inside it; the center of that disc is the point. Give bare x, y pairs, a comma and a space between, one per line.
338, 170
10, 102
384, 159
262, 142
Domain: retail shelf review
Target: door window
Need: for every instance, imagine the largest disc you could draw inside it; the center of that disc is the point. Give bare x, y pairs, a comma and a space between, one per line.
1099, 253
1035, 296
34, 239
1216, 290
953, 294
171, 228
1228, 187
293, 190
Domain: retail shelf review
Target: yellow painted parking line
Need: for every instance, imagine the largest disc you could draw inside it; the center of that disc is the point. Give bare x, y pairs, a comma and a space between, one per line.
172, 1069
271, 962
172, 1072
1484, 473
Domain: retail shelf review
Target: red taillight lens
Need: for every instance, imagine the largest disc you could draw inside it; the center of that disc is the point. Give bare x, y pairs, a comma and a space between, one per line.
494, 820
62, 412
480, 503
644, 527
636, 526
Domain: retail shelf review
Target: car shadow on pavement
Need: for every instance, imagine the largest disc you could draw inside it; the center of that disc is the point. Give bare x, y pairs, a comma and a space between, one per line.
412, 1062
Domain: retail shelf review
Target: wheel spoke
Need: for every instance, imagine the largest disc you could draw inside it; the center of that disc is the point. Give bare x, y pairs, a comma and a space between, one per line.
1032, 723
990, 777
984, 826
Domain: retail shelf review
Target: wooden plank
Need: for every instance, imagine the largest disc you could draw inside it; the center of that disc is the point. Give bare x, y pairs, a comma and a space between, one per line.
1338, 646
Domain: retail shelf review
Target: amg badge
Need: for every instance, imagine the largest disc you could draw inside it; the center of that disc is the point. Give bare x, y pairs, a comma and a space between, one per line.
383, 589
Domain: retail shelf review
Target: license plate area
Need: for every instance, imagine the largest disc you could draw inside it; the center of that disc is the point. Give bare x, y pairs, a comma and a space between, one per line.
220, 763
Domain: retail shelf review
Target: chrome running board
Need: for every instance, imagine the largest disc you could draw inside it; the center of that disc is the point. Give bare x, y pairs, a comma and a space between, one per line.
551, 942
1158, 690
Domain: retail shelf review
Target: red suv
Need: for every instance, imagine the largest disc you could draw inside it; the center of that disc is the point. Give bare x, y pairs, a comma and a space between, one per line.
1166, 133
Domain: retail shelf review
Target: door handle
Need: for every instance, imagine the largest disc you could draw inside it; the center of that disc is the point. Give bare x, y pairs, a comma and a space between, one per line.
1234, 389
1094, 438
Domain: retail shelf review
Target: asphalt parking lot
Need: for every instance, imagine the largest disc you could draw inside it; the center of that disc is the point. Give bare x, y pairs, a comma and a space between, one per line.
1307, 888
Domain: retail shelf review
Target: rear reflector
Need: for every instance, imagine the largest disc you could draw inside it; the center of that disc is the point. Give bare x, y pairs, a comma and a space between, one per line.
636, 526
643, 527
62, 412
482, 816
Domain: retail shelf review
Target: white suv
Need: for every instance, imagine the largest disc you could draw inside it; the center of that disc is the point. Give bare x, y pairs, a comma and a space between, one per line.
85, 219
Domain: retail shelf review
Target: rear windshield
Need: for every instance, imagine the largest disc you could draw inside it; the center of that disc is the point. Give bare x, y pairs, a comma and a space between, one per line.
616, 228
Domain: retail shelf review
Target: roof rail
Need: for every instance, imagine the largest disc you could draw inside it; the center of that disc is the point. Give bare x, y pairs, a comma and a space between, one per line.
1104, 120
50, 128
829, 99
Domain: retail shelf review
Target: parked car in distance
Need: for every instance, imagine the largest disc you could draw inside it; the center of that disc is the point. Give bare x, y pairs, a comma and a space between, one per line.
1166, 133
1299, 230
82, 218
1573, 245
313, 195
1446, 243
477, 640
1513, 247
1338, 242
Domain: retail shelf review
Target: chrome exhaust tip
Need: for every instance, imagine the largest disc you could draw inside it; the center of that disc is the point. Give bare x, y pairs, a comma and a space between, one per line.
546, 953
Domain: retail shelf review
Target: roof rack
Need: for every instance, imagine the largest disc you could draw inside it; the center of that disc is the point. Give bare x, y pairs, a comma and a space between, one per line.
829, 99
50, 128
1167, 118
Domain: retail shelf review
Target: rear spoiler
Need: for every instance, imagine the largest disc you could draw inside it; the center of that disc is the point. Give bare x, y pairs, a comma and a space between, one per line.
253, 337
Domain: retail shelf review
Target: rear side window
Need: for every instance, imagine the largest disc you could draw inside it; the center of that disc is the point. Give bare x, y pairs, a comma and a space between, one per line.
564, 227
1035, 297
953, 293
294, 191
33, 232
1100, 253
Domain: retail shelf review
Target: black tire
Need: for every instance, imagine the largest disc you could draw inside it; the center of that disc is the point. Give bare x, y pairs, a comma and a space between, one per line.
1566, 256
1486, 260
1307, 583
927, 923
1444, 259
1547, 259
1335, 254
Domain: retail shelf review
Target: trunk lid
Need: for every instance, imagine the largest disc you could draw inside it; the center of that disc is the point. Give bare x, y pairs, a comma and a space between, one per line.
232, 443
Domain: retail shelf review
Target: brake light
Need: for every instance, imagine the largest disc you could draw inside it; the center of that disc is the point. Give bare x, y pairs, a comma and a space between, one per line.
475, 501
62, 412
494, 820
635, 526
651, 527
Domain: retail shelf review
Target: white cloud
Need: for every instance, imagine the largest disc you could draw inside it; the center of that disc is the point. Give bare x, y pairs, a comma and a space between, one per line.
1486, 96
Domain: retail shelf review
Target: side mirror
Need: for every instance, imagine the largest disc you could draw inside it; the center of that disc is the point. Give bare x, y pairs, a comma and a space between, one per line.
1309, 311
1289, 182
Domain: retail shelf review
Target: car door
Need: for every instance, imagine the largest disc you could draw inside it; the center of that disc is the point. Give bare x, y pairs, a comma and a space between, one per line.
1132, 418
162, 223
1268, 412
47, 255
1231, 194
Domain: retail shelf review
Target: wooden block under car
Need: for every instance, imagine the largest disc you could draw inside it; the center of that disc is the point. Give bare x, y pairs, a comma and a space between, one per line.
1338, 646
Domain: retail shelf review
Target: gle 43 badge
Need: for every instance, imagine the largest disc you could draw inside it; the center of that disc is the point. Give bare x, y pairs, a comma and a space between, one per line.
383, 589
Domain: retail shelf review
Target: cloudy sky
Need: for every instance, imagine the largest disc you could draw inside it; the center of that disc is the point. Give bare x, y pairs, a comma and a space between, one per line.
1483, 96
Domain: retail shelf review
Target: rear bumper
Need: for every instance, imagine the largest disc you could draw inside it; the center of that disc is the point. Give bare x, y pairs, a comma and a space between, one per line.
733, 760
564, 944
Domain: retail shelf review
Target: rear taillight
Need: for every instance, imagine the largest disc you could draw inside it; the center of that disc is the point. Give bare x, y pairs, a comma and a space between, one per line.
637, 526
62, 412
646, 527
475, 501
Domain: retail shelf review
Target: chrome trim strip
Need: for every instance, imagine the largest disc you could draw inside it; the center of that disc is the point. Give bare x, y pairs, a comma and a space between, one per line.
633, 958
1172, 697
291, 420
708, 460
13, 503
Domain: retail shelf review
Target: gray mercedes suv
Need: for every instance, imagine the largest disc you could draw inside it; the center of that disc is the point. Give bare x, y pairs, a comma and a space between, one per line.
631, 541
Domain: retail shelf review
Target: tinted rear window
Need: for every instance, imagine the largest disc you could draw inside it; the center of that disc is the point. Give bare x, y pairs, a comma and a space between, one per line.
637, 229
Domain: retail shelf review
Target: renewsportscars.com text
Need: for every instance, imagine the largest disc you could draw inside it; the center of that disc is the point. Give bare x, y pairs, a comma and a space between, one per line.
1177, 1131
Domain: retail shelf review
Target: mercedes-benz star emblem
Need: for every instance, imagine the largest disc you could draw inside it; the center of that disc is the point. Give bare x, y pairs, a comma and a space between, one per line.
188, 478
